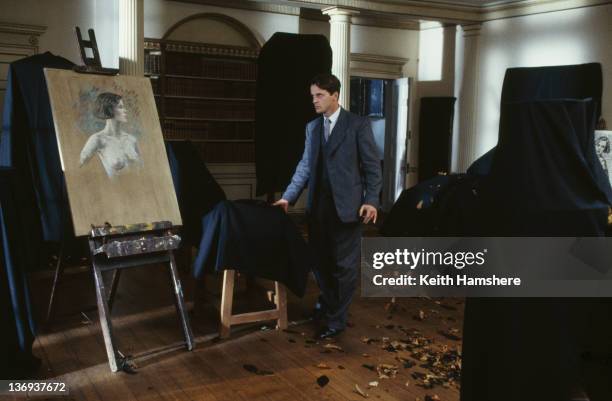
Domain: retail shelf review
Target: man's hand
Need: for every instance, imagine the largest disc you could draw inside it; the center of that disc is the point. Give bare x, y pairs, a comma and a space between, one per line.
369, 213
283, 203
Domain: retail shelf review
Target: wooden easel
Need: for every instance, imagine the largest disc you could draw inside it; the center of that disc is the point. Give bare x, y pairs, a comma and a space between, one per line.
117, 248
279, 313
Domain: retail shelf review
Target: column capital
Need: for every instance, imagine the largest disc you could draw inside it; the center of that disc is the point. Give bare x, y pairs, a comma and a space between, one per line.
471, 30
340, 14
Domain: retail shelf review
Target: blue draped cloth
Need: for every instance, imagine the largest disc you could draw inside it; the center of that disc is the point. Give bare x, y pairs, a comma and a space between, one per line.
256, 239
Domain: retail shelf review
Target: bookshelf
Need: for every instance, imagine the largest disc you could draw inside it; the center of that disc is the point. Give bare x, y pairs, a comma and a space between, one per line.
205, 93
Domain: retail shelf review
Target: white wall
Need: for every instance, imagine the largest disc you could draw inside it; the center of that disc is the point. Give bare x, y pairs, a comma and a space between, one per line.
60, 18
387, 42
565, 37
443, 86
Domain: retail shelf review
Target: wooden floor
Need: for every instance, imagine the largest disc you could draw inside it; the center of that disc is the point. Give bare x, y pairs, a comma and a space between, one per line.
255, 363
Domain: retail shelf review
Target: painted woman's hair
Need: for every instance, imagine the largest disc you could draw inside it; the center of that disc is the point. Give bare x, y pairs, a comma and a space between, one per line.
105, 105
607, 143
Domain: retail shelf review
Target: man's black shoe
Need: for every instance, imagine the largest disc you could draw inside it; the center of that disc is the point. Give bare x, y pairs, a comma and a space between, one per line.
327, 332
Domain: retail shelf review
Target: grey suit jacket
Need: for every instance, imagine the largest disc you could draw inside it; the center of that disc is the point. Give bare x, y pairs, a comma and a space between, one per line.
353, 166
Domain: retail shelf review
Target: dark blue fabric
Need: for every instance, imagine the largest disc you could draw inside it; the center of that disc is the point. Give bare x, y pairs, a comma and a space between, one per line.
579, 81
29, 144
196, 189
256, 239
19, 329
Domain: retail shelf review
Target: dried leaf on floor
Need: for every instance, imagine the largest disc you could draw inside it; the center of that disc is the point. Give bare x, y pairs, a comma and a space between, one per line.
386, 371
451, 334
323, 365
322, 381
255, 370
334, 347
373, 384
359, 391
421, 315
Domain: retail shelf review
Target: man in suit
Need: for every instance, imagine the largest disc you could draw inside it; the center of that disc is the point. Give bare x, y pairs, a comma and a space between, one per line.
341, 167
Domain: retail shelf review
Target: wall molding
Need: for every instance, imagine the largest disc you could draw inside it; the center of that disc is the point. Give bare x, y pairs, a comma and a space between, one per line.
18, 32
377, 66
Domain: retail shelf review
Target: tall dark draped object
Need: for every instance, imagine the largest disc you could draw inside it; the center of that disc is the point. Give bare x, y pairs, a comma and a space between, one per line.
28, 143
287, 63
579, 81
435, 135
554, 189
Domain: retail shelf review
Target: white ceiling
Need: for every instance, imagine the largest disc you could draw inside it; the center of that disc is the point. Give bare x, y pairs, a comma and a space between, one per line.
476, 3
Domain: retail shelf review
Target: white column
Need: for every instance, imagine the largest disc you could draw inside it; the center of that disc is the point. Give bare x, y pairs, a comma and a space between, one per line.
131, 37
340, 41
468, 98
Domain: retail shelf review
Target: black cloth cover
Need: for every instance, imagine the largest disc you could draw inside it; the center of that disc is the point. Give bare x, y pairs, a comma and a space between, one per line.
28, 144
196, 189
256, 239
580, 81
286, 64
553, 190
435, 135
545, 178
18, 327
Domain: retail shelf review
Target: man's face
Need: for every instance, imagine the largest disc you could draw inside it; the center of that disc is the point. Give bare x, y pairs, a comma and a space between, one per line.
323, 101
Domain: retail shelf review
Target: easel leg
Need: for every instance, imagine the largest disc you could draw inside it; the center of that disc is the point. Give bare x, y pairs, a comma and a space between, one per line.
59, 272
280, 299
227, 298
180, 303
105, 322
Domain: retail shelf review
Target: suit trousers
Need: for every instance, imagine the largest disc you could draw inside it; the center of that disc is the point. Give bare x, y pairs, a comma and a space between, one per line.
337, 247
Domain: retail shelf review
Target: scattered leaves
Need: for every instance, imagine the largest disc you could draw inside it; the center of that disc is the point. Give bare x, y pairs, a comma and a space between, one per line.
323, 365
253, 369
386, 371
451, 334
359, 391
370, 367
334, 347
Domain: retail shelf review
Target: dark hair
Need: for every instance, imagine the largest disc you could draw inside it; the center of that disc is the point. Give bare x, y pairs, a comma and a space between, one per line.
105, 105
328, 82
607, 141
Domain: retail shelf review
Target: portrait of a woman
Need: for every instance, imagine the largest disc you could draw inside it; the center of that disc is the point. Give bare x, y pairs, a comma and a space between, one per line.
116, 149
602, 149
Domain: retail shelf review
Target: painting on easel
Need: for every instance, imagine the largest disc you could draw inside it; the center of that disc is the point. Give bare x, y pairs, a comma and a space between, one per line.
112, 150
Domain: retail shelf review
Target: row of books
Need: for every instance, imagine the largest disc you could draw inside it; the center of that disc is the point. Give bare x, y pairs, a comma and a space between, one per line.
193, 108
227, 152
204, 88
208, 130
198, 65
152, 62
